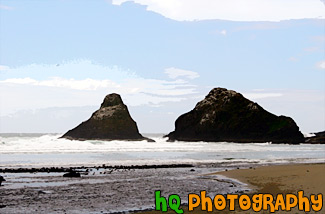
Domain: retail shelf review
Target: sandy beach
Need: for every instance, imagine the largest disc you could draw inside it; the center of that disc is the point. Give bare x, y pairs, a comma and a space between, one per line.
282, 178
102, 190
275, 179
118, 190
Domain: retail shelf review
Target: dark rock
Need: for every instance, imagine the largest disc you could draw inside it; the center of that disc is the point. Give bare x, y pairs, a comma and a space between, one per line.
41, 192
112, 121
319, 138
72, 174
226, 115
1, 179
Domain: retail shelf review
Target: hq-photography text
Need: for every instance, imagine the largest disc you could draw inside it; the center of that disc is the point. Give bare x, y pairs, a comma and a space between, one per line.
256, 202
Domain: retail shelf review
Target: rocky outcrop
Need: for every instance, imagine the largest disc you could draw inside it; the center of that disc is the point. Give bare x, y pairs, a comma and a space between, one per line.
72, 174
1, 180
225, 115
319, 138
112, 121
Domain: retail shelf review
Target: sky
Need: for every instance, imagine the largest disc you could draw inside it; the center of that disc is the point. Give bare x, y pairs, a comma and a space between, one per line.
59, 58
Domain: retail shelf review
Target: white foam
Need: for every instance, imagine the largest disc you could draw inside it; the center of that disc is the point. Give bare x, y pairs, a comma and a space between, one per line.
52, 150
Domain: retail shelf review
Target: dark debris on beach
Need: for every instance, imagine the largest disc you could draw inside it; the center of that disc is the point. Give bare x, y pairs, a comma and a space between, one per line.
69, 169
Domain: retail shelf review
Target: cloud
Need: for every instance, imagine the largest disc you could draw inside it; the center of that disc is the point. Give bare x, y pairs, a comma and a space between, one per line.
255, 96
81, 69
293, 59
128, 86
321, 65
4, 7
86, 84
234, 10
3, 68
34, 86
175, 73
311, 49
318, 39
223, 32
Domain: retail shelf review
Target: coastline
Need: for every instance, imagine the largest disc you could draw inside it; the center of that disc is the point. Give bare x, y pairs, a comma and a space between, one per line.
100, 189
271, 179
122, 176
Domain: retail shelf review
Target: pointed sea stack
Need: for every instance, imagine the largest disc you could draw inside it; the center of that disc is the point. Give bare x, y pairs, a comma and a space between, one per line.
112, 121
225, 115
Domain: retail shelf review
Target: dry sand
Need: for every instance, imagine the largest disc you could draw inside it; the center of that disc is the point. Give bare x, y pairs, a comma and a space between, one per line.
283, 178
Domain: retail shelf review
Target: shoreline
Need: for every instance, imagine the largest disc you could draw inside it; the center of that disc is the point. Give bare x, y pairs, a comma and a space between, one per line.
269, 179
100, 190
83, 168
284, 178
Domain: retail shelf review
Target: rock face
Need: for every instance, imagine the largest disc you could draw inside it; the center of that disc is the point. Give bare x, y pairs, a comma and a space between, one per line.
319, 138
226, 115
111, 121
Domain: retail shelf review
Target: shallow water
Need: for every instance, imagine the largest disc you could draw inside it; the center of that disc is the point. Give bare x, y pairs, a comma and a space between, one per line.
119, 191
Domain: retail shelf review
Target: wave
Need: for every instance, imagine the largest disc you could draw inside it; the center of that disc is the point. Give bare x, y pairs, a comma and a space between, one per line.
53, 143
50, 149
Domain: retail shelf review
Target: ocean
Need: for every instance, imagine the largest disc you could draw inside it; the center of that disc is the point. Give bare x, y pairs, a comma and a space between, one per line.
38, 150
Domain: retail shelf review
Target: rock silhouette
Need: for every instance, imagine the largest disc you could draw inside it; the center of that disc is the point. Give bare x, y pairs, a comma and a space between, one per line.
112, 121
1, 180
72, 174
225, 115
319, 138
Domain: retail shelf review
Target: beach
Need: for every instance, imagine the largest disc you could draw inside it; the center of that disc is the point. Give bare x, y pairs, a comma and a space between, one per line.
103, 190
132, 190
154, 107
283, 178
273, 179
122, 176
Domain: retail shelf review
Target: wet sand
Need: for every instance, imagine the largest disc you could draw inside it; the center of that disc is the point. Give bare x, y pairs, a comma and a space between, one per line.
102, 190
275, 179
133, 189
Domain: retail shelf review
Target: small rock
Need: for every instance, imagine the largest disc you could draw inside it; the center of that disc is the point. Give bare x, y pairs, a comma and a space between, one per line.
72, 174
1, 179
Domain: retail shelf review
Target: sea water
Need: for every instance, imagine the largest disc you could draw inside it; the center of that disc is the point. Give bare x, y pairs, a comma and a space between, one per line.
138, 186
38, 150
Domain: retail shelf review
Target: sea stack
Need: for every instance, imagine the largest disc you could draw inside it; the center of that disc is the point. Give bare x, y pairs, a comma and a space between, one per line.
319, 138
225, 115
112, 121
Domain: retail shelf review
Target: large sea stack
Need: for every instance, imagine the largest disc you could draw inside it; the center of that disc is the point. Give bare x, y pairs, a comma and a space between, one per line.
112, 121
225, 115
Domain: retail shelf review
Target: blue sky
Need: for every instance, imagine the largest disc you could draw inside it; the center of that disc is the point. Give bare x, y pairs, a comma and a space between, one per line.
59, 58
